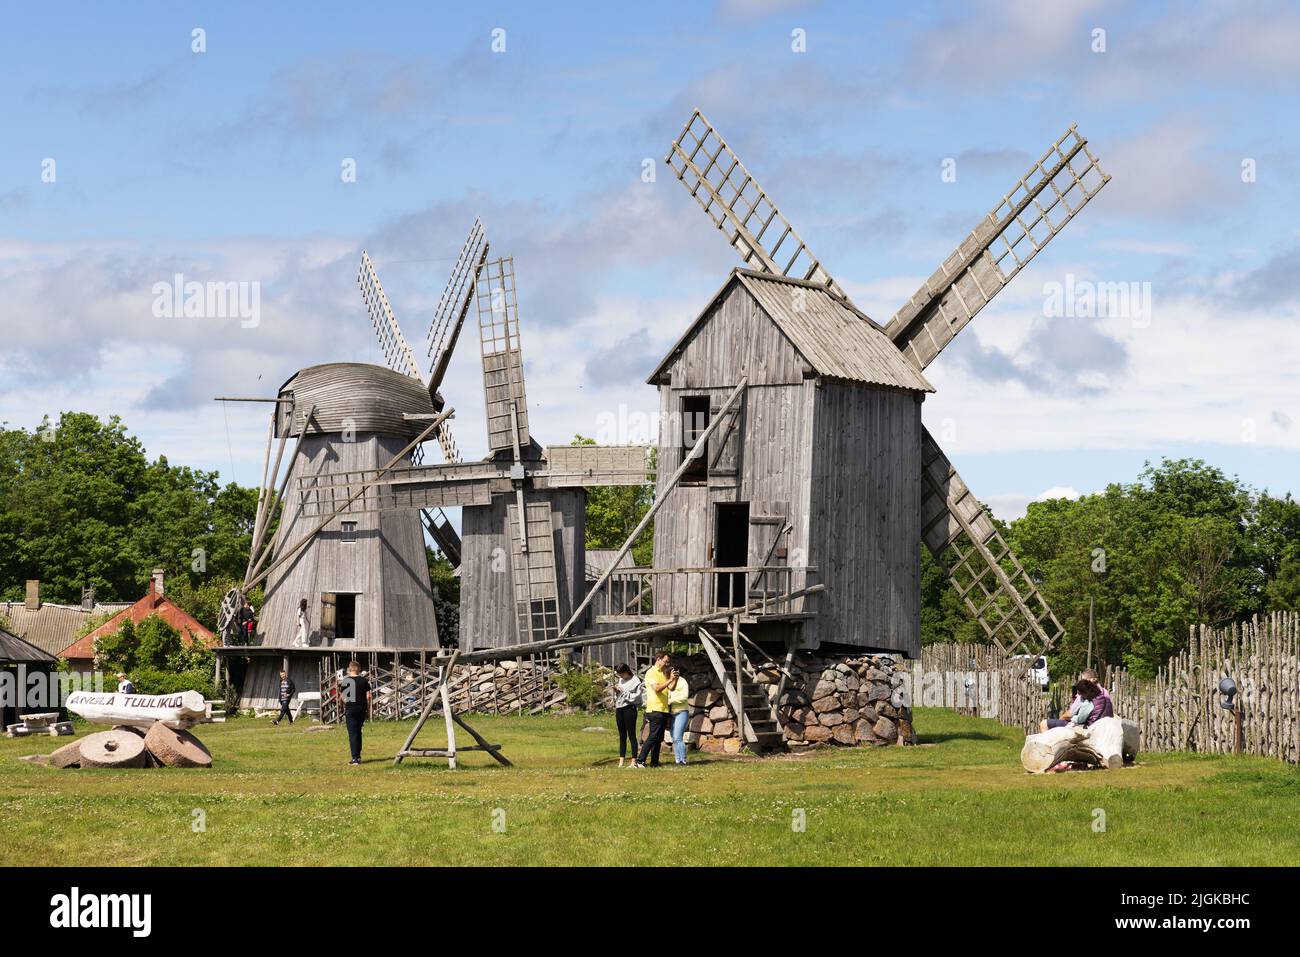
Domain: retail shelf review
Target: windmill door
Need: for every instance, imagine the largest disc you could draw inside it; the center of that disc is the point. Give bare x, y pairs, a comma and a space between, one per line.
769, 547
328, 617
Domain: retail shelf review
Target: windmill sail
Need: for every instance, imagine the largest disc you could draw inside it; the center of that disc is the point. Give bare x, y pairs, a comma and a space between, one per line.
453, 304
397, 354
964, 540
739, 207
1047, 197
503, 361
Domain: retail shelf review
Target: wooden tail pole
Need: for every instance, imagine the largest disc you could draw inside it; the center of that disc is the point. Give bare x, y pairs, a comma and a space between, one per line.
661, 496
279, 495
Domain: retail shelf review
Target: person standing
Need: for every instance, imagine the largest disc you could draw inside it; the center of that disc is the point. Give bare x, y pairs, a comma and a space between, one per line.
124, 685
300, 635
247, 622
656, 711
355, 691
679, 712
628, 691
287, 690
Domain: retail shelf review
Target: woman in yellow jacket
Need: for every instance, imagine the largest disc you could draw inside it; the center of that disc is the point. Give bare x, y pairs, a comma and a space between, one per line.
679, 712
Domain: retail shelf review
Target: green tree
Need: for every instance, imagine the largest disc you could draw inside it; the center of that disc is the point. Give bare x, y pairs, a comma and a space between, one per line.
614, 511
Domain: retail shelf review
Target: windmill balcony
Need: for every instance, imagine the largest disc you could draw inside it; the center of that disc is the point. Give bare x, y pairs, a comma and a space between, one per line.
633, 596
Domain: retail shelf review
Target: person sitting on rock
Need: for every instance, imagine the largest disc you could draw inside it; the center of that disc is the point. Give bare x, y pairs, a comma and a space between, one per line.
1081, 708
1102, 706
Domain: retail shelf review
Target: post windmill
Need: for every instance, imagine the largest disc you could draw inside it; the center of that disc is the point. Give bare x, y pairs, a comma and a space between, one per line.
521, 578
817, 465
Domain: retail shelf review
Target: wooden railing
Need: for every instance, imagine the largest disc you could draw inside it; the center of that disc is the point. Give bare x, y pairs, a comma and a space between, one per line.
658, 594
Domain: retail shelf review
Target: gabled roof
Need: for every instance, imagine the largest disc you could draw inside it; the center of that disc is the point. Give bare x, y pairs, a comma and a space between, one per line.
15, 651
834, 338
52, 627
599, 561
150, 604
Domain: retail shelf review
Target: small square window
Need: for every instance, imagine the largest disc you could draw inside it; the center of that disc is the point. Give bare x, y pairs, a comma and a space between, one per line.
349, 531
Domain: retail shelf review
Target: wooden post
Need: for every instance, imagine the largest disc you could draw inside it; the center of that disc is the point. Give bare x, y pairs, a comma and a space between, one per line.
740, 671
451, 726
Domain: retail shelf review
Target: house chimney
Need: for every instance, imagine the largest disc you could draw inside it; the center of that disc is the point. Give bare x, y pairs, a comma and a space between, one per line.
157, 584
88, 598
33, 602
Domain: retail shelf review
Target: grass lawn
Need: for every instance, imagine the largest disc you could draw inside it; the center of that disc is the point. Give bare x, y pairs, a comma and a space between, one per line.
287, 796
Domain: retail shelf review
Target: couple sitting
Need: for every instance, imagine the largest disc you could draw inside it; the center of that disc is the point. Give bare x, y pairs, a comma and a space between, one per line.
1091, 703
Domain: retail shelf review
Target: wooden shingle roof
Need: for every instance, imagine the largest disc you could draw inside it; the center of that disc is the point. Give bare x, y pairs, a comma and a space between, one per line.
835, 339
52, 627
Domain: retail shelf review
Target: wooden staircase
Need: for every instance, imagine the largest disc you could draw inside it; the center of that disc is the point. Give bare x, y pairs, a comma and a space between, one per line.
756, 714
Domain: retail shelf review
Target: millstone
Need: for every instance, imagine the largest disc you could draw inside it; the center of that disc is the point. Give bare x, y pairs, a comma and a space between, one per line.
68, 756
112, 749
176, 749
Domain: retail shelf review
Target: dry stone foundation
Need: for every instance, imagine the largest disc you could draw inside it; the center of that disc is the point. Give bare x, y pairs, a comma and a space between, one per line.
839, 700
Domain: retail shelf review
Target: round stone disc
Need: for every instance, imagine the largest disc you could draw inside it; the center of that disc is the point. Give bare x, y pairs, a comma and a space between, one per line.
112, 749
176, 749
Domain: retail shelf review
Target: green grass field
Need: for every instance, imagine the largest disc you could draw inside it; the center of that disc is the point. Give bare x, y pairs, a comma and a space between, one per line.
287, 796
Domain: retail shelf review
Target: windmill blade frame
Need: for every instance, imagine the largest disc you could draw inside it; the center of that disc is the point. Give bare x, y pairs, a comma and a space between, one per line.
1004, 242
728, 193
965, 541
504, 396
397, 352
453, 304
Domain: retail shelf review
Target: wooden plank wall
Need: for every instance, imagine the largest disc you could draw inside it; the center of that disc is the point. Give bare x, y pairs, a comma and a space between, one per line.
865, 525
385, 566
773, 453
487, 606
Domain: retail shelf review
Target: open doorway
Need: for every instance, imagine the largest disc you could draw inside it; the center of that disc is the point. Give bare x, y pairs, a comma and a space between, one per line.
338, 616
731, 550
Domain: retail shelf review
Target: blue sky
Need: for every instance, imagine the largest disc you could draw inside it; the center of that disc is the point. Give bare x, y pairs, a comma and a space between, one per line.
225, 166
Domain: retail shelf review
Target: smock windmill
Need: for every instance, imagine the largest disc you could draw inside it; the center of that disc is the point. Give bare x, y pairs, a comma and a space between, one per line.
822, 453
523, 506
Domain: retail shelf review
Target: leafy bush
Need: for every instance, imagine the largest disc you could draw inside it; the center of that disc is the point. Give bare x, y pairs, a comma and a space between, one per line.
155, 649
155, 681
583, 687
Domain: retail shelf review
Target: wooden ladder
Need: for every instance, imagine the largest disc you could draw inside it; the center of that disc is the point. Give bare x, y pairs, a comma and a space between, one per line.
755, 713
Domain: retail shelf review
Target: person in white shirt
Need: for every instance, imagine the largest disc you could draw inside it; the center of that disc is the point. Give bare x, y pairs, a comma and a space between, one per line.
628, 689
300, 639
124, 685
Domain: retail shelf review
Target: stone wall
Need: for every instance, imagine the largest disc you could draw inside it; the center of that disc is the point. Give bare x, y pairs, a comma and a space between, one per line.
838, 700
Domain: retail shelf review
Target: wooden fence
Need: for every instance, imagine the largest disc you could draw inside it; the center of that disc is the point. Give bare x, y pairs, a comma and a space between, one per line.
400, 684
1002, 687
1180, 709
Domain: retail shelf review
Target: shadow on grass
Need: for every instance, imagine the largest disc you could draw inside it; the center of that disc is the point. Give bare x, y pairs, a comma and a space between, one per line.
939, 737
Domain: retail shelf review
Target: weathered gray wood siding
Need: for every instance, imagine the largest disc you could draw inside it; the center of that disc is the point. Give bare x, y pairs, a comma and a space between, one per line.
772, 451
261, 688
487, 606
385, 567
865, 519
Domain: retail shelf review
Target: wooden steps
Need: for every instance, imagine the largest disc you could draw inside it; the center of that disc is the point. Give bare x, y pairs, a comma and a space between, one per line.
755, 712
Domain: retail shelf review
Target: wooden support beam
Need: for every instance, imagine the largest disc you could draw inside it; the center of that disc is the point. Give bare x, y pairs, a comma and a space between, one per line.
701, 443
302, 542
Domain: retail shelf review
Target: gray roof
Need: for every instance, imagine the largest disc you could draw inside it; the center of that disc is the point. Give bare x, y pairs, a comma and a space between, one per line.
13, 650
51, 628
833, 337
357, 396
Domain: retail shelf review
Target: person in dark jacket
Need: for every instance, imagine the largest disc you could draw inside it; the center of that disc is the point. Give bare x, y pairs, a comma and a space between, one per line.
247, 622
355, 691
287, 690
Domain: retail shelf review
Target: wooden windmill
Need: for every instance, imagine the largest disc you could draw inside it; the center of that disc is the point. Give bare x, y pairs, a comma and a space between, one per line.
827, 446
523, 506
